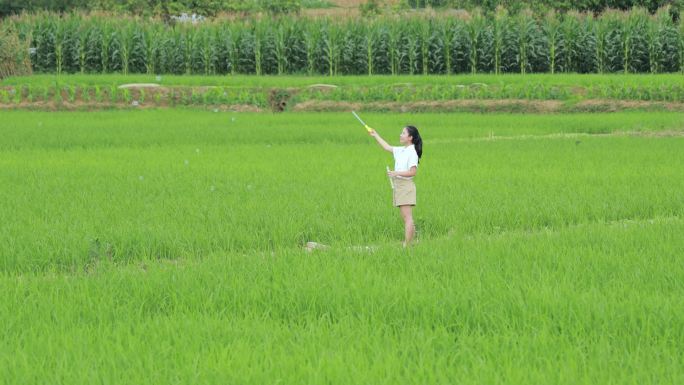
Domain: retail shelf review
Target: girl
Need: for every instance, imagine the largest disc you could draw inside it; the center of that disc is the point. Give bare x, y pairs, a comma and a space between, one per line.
406, 160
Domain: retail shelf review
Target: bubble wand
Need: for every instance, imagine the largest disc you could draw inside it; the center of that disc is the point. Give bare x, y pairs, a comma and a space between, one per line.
362, 122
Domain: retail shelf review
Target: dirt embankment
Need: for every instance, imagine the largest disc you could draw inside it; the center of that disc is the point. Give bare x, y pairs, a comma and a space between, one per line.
476, 106
504, 105
288, 99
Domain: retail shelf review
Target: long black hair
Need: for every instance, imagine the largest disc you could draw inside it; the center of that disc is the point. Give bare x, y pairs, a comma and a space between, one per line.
417, 140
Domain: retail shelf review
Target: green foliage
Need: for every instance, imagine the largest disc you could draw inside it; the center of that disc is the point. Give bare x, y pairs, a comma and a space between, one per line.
164, 8
543, 6
283, 93
629, 42
280, 6
370, 8
167, 8
14, 53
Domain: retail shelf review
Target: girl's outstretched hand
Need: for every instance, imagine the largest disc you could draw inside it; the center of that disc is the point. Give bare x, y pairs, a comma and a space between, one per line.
372, 132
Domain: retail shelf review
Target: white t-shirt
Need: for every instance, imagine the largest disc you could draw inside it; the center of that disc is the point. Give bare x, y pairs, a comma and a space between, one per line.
404, 158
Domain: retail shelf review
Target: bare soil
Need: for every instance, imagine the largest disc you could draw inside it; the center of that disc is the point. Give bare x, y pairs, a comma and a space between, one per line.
282, 100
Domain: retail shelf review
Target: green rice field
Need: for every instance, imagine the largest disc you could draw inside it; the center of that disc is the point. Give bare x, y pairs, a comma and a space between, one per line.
166, 246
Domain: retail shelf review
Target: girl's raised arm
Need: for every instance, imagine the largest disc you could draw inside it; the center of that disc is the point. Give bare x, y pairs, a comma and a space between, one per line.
380, 140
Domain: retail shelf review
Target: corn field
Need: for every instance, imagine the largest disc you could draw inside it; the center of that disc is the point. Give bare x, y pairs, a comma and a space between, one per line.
615, 42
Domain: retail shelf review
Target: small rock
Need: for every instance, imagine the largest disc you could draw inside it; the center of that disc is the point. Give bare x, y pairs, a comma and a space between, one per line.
311, 246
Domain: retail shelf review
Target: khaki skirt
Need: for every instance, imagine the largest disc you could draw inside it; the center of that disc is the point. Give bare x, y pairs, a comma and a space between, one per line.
404, 192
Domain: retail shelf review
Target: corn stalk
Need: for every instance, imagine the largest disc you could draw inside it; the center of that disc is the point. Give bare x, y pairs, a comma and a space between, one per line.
552, 33
500, 21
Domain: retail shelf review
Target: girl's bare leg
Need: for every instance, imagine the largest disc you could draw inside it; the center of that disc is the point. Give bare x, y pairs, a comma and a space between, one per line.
409, 228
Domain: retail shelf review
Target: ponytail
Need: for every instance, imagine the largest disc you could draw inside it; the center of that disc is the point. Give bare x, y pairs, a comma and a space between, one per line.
416, 140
